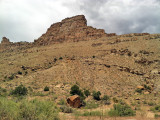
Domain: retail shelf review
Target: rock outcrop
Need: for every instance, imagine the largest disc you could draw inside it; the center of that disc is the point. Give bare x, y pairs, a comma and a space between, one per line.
70, 29
7, 45
5, 41
74, 101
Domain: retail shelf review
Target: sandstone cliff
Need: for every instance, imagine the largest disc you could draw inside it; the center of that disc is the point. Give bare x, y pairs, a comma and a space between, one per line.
70, 29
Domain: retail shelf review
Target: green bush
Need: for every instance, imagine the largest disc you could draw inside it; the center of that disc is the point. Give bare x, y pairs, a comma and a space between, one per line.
27, 110
46, 88
11, 77
55, 59
106, 97
60, 58
3, 92
19, 72
76, 91
9, 110
115, 100
86, 92
121, 110
156, 108
96, 95
38, 110
106, 100
138, 90
20, 91
93, 56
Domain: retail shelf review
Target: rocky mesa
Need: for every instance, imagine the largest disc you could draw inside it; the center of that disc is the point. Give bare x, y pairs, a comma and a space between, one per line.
71, 29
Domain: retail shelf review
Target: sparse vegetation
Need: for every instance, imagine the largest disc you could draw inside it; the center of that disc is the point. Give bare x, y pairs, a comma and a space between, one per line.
92, 113
106, 100
60, 58
20, 91
121, 110
139, 90
91, 105
62, 102
3, 92
96, 95
46, 88
66, 109
87, 93
156, 108
93, 56
27, 110
11, 77
19, 72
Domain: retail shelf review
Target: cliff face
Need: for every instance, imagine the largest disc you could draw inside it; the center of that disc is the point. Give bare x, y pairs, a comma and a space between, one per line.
70, 29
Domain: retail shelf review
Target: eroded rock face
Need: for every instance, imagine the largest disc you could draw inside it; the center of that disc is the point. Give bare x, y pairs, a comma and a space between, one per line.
5, 41
70, 29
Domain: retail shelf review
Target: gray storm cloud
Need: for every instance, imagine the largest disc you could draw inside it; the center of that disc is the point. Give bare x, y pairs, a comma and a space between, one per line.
26, 20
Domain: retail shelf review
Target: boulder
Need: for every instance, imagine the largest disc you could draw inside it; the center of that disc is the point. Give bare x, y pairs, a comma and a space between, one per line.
140, 87
74, 101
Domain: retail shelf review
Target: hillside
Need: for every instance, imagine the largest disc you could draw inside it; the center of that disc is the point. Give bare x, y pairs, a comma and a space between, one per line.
79, 54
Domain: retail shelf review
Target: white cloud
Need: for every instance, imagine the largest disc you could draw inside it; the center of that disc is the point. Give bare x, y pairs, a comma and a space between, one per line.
26, 20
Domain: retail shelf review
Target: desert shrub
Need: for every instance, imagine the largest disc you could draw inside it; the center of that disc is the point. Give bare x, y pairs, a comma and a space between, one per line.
147, 87
20, 91
86, 92
60, 58
11, 77
121, 110
93, 56
76, 91
3, 92
96, 95
46, 88
151, 103
55, 59
19, 72
106, 97
138, 90
106, 100
156, 115
115, 100
66, 109
26, 73
156, 108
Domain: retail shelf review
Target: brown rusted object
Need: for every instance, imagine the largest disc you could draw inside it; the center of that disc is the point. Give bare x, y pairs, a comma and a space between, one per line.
74, 101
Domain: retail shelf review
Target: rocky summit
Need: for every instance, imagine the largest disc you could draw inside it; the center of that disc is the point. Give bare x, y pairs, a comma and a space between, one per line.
70, 29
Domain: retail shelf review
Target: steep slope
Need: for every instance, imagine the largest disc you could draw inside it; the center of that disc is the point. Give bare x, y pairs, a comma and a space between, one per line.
114, 65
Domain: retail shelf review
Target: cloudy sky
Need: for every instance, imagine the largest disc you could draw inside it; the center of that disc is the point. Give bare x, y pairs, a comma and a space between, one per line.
26, 20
